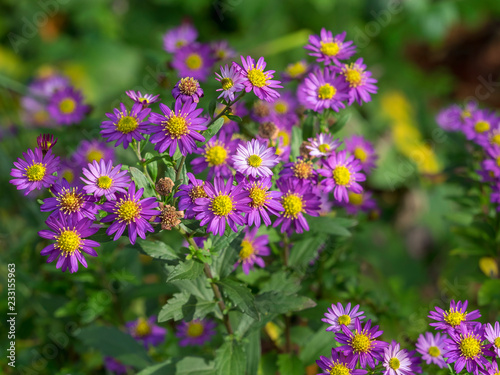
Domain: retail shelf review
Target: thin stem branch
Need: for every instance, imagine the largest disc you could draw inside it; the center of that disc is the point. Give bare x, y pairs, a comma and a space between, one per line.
288, 318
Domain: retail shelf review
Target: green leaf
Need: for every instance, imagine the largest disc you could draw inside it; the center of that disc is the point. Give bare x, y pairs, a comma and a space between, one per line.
290, 365
305, 250
186, 306
230, 359
280, 303
252, 353
234, 118
211, 108
193, 227
319, 344
489, 292
185, 366
141, 181
282, 282
190, 269
340, 123
212, 130
152, 166
228, 249
296, 141
328, 225
156, 249
241, 296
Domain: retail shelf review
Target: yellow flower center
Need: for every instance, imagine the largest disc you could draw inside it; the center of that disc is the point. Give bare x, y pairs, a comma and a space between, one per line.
68, 241
394, 363
226, 83
188, 86
94, 154
70, 201
194, 61
353, 76
281, 107
257, 77
36, 172
215, 155
324, 147
195, 329
497, 342
341, 175
361, 343
143, 100
434, 351
454, 318
292, 204
246, 249
128, 211
330, 48
180, 43
197, 192
222, 205
142, 328
254, 161
339, 369
470, 347
496, 139
285, 138
465, 114
344, 320
258, 196
360, 154
302, 169
176, 126
326, 91
297, 69
355, 199
127, 124
482, 126
67, 105
104, 182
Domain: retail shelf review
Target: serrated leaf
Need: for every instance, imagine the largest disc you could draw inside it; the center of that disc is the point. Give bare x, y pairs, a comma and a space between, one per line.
279, 303
252, 353
141, 181
230, 359
305, 250
156, 249
186, 306
188, 270
241, 296
281, 282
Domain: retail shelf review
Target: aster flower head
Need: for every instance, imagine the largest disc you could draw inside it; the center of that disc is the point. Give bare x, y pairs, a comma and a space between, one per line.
256, 79
46, 142
255, 159
35, 112
222, 51
360, 202
46, 86
124, 126
253, 247
329, 49
491, 164
194, 60
492, 334
225, 203
432, 348
179, 127
298, 199
338, 364
416, 362
454, 318
144, 99
324, 89
492, 368
88, 151
187, 89
231, 82
323, 145
146, 331
66, 106
35, 171
178, 37
102, 179
478, 126
70, 243
361, 344
338, 316
453, 117
301, 169
297, 70
197, 332
361, 83
131, 212
263, 200
342, 174
69, 171
115, 366
283, 109
362, 150
188, 194
397, 361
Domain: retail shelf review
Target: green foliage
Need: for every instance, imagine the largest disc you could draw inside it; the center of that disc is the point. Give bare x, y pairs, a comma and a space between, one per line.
186, 306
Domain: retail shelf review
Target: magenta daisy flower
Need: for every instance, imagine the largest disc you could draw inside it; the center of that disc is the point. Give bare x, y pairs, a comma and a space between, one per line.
115, 366
225, 202
323, 145
35, 171
231, 81
324, 89
255, 159
124, 126
454, 318
178, 37
69, 235
46, 142
104, 179
88, 151
397, 361
491, 164
432, 348
66, 106
361, 84
284, 108
492, 368
338, 316
329, 49
194, 60
46, 86
144, 99
146, 331
298, 199
361, 344
131, 212
262, 201
453, 117
257, 80
252, 249
187, 89
478, 125
70, 201
300, 169
339, 364
197, 332
492, 334
362, 150
179, 127
222, 51
360, 202
189, 193
342, 174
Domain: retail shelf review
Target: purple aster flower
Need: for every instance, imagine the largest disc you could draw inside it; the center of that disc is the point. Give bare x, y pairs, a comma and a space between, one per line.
360, 202
124, 126
69, 235
66, 106
338, 364
35, 113
179, 127
466, 349
454, 318
396, 360
255, 159
478, 125
189, 193
231, 82
225, 202
342, 174
329, 49
88, 151
46, 86
492, 334
362, 344
257, 80
491, 164
362, 150
323, 145
69, 171
187, 89
221, 50
416, 362
197, 332
361, 85
145, 99
262, 201
432, 348
46, 142
69, 201
338, 316
115, 366
216, 155
298, 199
493, 136
453, 117
252, 248
284, 108
35, 171
324, 89
194, 60
104, 179
178, 37
146, 331
300, 169
492, 368
129, 211
297, 70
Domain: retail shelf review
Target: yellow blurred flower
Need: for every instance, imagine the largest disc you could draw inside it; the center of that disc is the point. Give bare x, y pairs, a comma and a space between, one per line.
489, 266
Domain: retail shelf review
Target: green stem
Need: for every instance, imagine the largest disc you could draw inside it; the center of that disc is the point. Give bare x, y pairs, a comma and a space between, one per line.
288, 318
